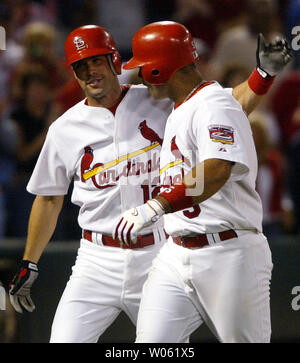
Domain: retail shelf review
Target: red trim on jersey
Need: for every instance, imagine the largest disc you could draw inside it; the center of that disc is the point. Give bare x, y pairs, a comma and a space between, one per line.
113, 109
207, 83
125, 89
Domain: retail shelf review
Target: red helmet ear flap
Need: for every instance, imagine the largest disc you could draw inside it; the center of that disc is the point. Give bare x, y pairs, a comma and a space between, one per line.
156, 74
117, 62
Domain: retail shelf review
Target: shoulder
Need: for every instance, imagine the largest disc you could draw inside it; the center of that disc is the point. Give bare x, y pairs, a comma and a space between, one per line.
137, 87
214, 96
71, 116
140, 93
137, 90
218, 97
216, 106
73, 112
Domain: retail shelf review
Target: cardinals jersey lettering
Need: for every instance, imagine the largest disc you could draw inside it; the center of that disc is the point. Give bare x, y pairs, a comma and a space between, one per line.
210, 125
113, 160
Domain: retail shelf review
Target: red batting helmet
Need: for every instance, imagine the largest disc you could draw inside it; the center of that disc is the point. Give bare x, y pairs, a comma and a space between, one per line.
160, 49
91, 40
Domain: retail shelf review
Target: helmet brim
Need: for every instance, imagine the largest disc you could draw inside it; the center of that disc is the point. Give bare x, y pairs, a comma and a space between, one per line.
133, 63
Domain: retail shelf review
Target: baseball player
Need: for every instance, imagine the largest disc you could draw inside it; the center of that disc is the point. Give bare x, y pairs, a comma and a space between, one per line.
216, 266
108, 145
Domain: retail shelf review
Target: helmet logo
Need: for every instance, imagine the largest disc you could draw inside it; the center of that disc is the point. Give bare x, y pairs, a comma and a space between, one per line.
79, 43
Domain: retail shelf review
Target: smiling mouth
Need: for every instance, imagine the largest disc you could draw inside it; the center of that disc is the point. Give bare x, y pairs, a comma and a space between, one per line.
94, 82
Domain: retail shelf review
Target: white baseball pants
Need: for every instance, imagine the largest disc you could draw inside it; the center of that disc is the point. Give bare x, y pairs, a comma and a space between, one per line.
225, 284
104, 281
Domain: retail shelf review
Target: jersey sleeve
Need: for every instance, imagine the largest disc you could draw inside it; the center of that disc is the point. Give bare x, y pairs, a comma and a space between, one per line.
50, 176
224, 133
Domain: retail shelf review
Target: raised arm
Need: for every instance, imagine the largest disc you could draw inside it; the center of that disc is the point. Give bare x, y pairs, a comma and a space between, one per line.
271, 60
246, 97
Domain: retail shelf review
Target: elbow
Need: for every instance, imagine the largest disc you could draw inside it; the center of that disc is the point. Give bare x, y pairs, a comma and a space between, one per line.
51, 200
224, 172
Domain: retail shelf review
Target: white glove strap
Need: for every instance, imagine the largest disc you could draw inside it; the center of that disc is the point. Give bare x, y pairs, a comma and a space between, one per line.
156, 206
262, 72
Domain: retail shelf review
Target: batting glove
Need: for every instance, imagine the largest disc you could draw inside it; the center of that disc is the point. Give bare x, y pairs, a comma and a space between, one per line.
272, 58
135, 219
19, 289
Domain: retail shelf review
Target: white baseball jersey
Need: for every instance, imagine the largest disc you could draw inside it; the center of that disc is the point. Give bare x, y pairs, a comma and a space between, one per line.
211, 124
225, 283
114, 160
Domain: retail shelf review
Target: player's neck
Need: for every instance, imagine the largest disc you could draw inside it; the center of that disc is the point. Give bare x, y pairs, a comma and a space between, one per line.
107, 101
183, 86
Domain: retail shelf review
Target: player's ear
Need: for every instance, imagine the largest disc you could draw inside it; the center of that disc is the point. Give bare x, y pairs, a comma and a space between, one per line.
74, 74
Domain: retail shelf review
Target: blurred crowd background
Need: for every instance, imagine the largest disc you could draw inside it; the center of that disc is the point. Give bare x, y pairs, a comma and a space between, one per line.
36, 88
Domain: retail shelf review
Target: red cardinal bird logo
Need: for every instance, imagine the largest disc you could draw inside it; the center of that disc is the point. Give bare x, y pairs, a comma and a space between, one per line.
177, 153
149, 134
86, 161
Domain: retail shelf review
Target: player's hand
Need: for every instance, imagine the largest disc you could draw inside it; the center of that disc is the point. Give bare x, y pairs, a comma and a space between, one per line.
19, 289
135, 219
273, 57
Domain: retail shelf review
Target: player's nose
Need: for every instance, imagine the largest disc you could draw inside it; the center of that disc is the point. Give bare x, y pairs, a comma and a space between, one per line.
91, 71
91, 68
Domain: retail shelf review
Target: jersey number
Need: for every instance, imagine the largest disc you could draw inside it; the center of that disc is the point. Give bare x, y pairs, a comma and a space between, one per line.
194, 213
146, 192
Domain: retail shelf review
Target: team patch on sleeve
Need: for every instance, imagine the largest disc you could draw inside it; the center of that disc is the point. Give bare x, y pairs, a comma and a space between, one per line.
220, 133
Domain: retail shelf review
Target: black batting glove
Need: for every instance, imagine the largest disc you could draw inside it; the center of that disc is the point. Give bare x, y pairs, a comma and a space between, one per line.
19, 289
273, 57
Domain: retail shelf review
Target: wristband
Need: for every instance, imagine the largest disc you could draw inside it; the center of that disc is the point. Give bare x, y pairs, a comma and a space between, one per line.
29, 265
177, 197
260, 82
